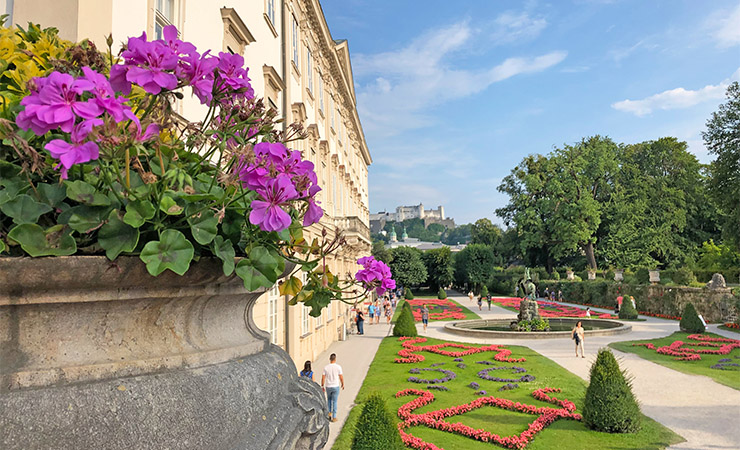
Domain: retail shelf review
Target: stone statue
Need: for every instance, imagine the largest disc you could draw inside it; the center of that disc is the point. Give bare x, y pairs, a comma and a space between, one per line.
718, 282
528, 308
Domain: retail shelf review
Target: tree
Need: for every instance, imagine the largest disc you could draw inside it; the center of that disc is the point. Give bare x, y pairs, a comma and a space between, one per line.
405, 324
458, 235
380, 252
474, 265
610, 406
722, 139
407, 267
483, 231
376, 427
438, 262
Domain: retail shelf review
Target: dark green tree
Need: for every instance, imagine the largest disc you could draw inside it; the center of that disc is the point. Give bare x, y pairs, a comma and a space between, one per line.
722, 139
483, 231
407, 267
380, 252
610, 406
405, 324
438, 262
474, 266
458, 235
690, 321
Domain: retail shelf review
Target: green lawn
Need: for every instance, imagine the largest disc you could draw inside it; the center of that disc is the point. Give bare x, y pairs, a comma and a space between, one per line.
729, 378
726, 328
387, 377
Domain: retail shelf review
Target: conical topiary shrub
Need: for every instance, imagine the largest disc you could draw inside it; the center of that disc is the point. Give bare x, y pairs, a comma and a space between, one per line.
376, 428
408, 295
441, 294
610, 405
627, 311
405, 324
690, 321
484, 291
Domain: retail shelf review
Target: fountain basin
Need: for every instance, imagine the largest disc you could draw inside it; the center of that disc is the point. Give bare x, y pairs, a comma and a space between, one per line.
499, 328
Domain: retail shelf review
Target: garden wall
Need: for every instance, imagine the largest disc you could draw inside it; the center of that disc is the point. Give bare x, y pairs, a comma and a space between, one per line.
714, 305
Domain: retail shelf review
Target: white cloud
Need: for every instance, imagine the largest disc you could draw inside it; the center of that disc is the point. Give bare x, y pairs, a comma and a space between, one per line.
516, 27
408, 81
726, 27
678, 98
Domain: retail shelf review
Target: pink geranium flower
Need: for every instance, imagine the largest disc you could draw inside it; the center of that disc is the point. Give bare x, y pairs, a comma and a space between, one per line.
269, 213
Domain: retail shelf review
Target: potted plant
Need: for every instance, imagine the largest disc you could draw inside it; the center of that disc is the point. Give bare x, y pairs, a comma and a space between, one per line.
134, 243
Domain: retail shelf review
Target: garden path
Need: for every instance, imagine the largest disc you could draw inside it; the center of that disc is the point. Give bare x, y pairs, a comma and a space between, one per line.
704, 412
355, 356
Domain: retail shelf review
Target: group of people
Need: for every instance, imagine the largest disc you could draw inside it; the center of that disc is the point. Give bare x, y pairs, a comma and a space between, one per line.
620, 299
332, 380
375, 311
481, 299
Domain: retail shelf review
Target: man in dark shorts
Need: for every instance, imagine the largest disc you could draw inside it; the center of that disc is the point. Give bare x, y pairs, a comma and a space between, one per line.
425, 316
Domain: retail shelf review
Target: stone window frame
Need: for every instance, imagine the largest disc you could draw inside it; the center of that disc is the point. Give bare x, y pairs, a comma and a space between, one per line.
270, 16
274, 86
236, 31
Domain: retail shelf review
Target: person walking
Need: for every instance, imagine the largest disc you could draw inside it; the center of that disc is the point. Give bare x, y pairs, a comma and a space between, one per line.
547, 293
588, 312
307, 372
360, 319
560, 295
377, 311
371, 312
470, 295
488, 299
480, 303
577, 335
331, 380
388, 314
619, 304
425, 316
632, 299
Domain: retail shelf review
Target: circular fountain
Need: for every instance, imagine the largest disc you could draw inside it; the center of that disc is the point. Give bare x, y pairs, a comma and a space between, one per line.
559, 328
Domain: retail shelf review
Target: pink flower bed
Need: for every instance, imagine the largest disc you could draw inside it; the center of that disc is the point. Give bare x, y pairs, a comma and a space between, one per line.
438, 309
409, 352
720, 346
552, 309
435, 419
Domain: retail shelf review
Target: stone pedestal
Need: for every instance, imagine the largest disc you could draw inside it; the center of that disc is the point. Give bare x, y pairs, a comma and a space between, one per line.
528, 310
96, 355
654, 276
619, 275
570, 275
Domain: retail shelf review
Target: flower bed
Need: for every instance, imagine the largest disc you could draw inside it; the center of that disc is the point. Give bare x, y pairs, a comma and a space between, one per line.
551, 309
734, 326
409, 353
438, 309
435, 419
677, 349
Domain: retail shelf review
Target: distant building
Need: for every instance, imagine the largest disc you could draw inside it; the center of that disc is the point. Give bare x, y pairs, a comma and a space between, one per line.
429, 216
421, 245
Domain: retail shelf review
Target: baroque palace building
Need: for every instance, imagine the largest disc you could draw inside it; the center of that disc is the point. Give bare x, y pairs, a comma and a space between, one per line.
301, 71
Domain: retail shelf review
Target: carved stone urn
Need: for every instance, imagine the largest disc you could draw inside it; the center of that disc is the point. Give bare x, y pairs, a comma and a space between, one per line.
101, 355
619, 275
570, 275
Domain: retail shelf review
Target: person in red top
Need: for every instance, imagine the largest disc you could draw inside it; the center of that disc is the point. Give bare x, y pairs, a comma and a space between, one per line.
619, 305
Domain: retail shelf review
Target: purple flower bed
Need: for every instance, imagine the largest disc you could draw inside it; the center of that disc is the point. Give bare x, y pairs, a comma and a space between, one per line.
438, 387
449, 375
458, 359
725, 360
437, 364
482, 393
524, 378
724, 365
508, 387
474, 385
461, 365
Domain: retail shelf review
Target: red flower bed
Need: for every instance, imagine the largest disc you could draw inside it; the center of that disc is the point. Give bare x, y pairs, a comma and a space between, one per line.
720, 346
438, 309
552, 309
733, 325
409, 352
435, 419
662, 316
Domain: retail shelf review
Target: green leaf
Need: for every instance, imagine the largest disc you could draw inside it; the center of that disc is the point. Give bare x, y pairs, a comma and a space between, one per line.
8, 170
117, 237
56, 241
138, 212
224, 250
291, 286
52, 194
85, 218
253, 278
82, 192
318, 301
24, 209
204, 228
172, 251
2, 246
169, 206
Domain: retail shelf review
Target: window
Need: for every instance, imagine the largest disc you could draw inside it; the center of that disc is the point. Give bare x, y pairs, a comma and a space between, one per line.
321, 92
332, 112
309, 70
295, 44
304, 320
271, 11
334, 194
272, 313
165, 15
329, 317
341, 129
319, 320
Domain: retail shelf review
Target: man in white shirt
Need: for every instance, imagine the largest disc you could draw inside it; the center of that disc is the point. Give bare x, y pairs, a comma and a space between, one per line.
331, 381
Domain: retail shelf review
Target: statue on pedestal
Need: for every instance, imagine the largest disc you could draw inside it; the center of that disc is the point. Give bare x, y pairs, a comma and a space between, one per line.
528, 308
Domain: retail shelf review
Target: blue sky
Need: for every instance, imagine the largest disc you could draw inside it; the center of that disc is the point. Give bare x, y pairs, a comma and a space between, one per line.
452, 95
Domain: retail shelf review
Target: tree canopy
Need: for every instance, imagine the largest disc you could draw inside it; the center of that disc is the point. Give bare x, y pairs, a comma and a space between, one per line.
407, 267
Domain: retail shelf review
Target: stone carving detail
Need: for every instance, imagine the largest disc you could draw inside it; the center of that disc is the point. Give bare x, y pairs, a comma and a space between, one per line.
718, 282
528, 310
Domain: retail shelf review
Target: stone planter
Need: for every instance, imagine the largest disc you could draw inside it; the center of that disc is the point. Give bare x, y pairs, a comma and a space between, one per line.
591, 275
654, 276
569, 275
619, 275
96, 355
